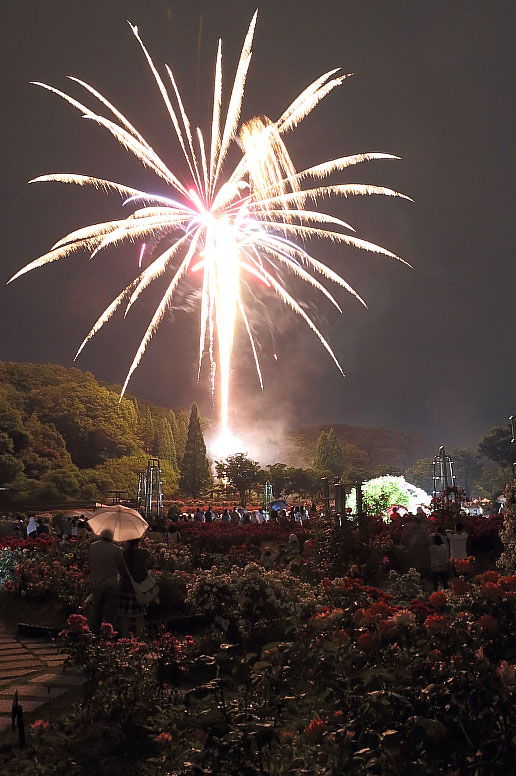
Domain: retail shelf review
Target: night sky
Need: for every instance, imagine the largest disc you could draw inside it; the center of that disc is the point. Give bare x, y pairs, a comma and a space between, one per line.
434, 85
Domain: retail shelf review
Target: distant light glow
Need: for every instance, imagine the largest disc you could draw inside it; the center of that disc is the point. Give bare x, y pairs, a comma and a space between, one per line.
223, 444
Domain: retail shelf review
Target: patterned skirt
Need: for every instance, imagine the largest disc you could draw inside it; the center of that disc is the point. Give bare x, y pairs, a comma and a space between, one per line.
129, 606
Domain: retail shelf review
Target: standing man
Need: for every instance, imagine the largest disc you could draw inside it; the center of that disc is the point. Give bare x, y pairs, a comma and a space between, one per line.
106, 561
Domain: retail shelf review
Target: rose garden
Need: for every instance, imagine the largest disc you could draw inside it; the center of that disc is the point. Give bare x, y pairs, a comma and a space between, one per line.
293, 646
337, 660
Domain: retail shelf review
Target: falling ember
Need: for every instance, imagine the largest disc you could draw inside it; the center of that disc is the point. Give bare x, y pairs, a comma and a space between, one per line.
229, 226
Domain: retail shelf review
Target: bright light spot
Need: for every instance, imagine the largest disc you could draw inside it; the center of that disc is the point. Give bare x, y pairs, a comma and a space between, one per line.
224, 444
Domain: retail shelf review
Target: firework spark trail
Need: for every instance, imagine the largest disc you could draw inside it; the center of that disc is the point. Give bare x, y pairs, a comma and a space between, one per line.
247, 221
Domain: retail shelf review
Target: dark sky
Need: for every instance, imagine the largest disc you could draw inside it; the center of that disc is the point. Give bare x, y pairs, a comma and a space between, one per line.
434, 84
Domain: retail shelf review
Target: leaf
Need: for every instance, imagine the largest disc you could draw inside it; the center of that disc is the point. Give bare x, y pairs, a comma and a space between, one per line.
434, 729
261, 665
270, 645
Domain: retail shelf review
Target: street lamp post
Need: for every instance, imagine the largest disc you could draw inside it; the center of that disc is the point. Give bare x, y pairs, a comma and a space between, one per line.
326, 494
512, 419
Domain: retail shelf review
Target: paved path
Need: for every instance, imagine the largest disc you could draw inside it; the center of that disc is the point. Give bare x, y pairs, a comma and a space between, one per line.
34, 668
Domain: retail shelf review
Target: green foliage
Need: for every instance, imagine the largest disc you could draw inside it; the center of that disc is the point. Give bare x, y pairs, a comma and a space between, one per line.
195, 468
10, 468
62, 434
382, 492
93, 421
164, 446
47, 443
496, 445
356, 464
421, 474
179, 424
329, 457
248, 602
491, 482
303, 482
507, 560
15, 438
145, 427
467, 469
242, 473
277, 475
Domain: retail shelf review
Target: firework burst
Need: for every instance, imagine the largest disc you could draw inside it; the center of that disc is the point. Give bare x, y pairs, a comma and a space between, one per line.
249, 223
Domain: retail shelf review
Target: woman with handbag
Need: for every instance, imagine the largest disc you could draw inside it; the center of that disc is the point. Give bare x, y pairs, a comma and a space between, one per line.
131, 613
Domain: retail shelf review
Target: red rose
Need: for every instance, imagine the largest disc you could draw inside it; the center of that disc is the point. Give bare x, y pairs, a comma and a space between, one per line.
490, 576
380, 608
438, 600
78, 623
39, 725
492, 591
460, 587
363, 617
437, 623
388, 629
315, 730
509, 583
107, 630
462, 565
366, 640
163, 738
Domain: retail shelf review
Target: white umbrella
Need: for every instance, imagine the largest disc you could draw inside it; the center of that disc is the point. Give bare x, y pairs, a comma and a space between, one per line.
125, 523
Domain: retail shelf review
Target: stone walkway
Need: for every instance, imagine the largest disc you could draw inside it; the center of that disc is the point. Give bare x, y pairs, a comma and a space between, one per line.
34, 668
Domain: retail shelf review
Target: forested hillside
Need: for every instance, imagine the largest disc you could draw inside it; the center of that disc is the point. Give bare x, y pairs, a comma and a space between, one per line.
64, 435
397, 449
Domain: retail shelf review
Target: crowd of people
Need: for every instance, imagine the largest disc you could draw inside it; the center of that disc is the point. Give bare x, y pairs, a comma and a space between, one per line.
244, 516
428, 548
65, 528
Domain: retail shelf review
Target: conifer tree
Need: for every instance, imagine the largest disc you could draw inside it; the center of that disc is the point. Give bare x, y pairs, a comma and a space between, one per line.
329, 457
146, 428
180, 431
195, 467
165, 447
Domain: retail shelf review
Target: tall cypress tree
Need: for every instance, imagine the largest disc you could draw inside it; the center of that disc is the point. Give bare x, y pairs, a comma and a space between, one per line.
195, 467
329, 457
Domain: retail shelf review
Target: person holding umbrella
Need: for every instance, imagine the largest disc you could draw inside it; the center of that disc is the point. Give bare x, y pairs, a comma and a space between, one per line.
116, 523
130, 613
106, 561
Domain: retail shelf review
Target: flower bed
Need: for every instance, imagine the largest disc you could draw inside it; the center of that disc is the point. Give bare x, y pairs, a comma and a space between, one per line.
43, 571
356, 682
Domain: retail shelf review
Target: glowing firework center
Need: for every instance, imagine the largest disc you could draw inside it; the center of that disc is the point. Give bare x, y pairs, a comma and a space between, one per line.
222, 226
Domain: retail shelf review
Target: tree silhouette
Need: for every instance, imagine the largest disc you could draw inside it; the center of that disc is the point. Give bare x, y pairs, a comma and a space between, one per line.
242, 473
195, 467
329, 458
